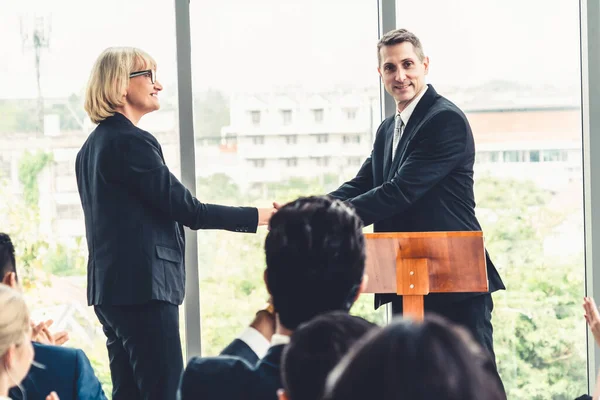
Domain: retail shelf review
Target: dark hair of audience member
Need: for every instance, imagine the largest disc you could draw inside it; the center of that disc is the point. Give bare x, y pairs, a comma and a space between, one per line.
315, 348
315, 256
419, 361
7, 256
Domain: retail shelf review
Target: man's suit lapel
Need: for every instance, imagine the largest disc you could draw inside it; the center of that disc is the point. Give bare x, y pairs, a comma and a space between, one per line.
410, 130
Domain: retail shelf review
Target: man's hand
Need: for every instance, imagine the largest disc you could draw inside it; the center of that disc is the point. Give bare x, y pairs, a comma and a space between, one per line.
41, 334
592, 317
264, 321
264, 215
52, 396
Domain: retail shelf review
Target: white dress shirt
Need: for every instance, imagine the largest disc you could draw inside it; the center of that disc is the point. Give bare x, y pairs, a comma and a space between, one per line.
404, 115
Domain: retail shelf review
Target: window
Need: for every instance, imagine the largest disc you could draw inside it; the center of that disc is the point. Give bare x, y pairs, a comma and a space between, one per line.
55, 238
322, 138
318, 115
322, 161
258, 163
534, 156
69, 211
495, 156
516, 204
286, 116
350, 114
255, 116
351, 139
283, 81
291, 162
4, 169
554, 155
513, 156
65, 168
293, 139
354, 161
258, 140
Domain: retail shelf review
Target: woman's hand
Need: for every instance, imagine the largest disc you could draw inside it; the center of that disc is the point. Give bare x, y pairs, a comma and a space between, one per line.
592, 317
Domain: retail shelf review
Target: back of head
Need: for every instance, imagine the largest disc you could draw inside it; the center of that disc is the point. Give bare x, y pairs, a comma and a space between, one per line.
7, 256
14, 319
109, 80
419, 361
315, 255
315, 348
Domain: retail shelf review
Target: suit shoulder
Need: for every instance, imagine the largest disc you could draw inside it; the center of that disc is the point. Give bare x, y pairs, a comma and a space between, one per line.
51, 352
216, 377
442, 104
217, 365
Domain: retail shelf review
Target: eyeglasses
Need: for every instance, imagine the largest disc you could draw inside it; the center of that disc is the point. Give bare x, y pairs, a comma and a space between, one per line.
148, 72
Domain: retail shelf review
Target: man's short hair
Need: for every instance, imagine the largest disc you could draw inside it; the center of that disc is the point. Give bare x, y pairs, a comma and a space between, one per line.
432, 359
315, 348
315, 255
110, 78
398, 36
7, 256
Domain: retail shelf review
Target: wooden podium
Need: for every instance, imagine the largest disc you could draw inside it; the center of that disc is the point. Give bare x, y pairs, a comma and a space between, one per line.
414, 264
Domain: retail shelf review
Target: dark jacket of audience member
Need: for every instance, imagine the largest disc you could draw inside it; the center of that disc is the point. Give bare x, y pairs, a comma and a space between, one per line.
419, 361
67, 371
315, 264
314, 349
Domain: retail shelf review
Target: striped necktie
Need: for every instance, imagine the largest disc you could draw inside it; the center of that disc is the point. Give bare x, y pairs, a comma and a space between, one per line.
398, 128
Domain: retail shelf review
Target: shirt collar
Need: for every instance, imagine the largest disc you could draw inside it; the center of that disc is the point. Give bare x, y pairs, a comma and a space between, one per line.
278, 339
407, 112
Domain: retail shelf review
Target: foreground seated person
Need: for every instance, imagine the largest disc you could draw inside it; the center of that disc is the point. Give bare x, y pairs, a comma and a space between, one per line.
433, 359
16, 352
314, 349
315, 255
66, 371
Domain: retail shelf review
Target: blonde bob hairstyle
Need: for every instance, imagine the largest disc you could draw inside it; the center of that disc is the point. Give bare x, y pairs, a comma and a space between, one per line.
110, 78
14, 319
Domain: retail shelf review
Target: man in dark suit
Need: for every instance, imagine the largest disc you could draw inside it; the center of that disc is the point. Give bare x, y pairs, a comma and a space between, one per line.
315, 263
419, 176
66, 371
135, 210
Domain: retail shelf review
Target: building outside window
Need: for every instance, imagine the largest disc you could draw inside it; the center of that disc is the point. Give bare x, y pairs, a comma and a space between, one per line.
318, 115
286, 115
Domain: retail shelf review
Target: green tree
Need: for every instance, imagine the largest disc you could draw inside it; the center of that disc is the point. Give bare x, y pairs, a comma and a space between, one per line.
538, 328
30, 167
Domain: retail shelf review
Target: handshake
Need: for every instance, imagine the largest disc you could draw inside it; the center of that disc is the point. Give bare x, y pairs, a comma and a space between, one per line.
265, 214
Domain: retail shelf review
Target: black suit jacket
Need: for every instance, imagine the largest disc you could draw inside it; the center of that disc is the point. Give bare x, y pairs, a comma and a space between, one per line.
68, 372
240, 349
135, 210
428, 186
232, 377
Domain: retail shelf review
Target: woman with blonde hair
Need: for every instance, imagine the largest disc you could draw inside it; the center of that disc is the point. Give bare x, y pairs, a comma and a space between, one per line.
135, 210
16, 351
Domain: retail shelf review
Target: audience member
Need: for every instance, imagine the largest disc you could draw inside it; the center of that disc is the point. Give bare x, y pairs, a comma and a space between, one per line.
433, 359
315, 259
40, 331
16, 351
314, 349
64, 370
